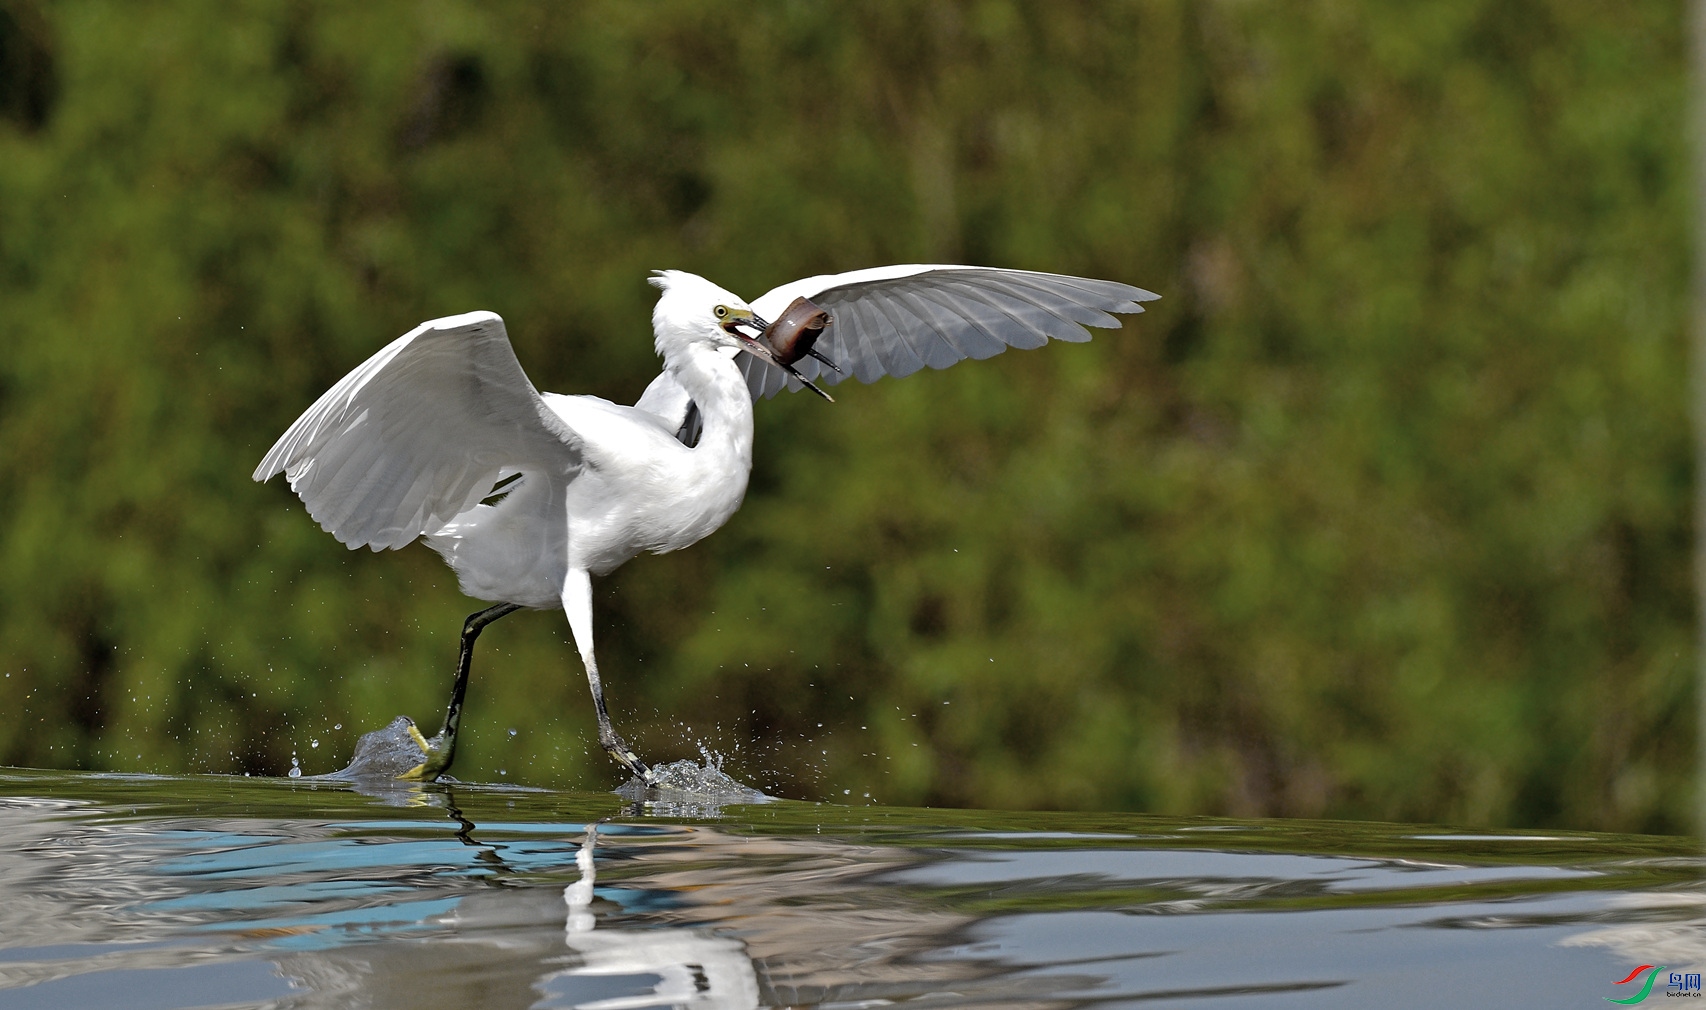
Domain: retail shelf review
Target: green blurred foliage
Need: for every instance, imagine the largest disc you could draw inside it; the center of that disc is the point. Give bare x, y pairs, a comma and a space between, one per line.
1382, 512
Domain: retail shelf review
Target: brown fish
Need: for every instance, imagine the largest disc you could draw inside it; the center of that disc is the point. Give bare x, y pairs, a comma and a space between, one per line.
788, 339
796, 330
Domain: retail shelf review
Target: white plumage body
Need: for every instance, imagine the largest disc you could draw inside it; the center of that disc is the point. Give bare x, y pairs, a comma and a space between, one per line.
639, 489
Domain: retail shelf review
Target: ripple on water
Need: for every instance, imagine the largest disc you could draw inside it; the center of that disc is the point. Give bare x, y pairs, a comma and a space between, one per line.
127, 891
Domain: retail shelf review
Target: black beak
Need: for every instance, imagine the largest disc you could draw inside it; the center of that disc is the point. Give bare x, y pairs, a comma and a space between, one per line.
819, 355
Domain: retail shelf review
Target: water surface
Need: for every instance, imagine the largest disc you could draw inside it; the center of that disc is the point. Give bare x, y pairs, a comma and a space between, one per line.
142, 892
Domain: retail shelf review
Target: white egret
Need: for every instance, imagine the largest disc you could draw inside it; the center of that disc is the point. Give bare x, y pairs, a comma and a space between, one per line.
413, 441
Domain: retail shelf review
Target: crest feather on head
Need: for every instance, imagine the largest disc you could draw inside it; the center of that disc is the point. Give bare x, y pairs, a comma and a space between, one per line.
663, 279
683, 311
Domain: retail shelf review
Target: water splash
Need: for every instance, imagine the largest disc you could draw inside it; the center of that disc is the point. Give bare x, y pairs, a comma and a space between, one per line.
384, 753
690, 788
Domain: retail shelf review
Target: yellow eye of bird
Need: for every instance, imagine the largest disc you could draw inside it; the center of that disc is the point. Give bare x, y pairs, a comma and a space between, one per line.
722, 310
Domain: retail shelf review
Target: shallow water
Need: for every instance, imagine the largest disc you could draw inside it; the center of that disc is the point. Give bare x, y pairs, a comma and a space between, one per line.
143, 892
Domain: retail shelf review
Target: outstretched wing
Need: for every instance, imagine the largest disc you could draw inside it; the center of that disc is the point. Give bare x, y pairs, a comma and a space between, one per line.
896, 320
419, 433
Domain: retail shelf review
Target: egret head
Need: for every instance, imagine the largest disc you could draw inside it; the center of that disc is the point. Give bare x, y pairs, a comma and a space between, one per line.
692, 311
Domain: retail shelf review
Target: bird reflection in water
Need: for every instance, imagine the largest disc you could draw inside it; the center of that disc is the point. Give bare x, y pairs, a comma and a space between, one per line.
695, 968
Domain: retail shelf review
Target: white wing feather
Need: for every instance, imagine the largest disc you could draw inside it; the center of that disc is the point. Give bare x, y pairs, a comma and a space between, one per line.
895, 320
418, 433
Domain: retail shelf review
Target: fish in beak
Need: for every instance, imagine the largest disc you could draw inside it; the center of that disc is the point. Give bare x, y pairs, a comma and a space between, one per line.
788, 339
794, 333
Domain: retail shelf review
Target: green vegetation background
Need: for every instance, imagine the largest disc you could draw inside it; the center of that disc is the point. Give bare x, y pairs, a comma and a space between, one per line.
1383, 511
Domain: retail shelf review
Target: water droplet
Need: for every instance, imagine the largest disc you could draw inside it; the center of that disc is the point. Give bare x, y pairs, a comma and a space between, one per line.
295, 768
847, 792
503, 771
338, 725
512, 732
314, 743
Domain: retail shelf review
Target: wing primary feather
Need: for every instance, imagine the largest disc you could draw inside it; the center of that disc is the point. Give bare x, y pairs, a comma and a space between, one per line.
1034, 316
878, 327
895, 353
756, 380
775, 380
397, 533
1045, 316
939, 319
328, 486
832, 344
973, 309
1076, 315
356, 519
1092, 296
373, 481
862, 359
971, 342
1119, 297
867, 323
1112, 296
934, 348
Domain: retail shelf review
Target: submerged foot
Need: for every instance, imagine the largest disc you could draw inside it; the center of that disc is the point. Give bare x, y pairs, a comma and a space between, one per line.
439, 751
399, 751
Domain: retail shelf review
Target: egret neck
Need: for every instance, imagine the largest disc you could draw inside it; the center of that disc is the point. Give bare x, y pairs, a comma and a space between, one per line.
711, 377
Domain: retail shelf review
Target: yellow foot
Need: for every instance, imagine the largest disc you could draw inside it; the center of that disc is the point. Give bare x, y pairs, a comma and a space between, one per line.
438, 754
419, 772
399, 751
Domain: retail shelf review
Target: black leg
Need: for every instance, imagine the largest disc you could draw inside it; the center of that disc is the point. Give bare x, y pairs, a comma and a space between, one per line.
471, 629
612, 743
441, 749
